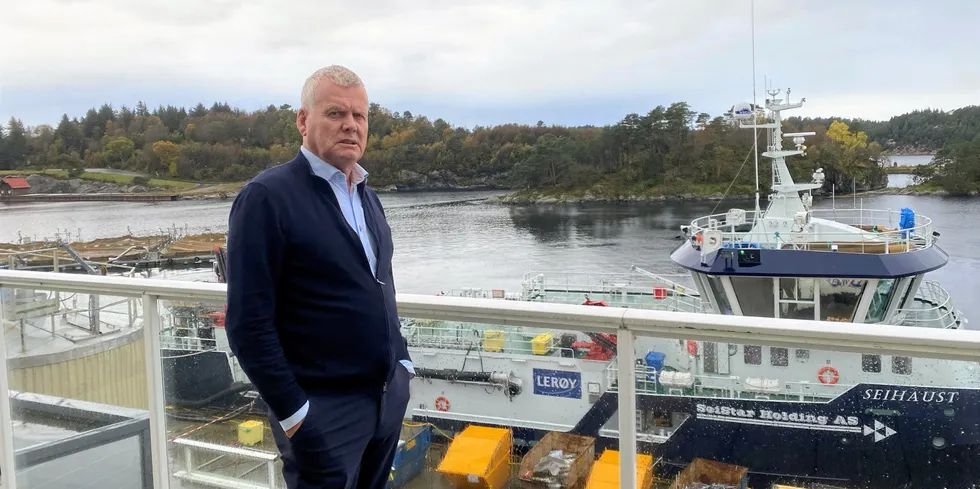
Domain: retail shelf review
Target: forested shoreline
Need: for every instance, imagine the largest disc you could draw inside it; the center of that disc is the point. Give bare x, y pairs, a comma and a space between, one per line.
669, 151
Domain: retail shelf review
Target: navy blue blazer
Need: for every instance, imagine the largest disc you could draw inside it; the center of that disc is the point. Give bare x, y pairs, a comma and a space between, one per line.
306, 315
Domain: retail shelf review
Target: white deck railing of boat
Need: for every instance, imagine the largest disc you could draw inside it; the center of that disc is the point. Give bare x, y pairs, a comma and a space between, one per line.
723, 386
640, 279
887, 340
640, 288
882, 229
935, 308
467, 337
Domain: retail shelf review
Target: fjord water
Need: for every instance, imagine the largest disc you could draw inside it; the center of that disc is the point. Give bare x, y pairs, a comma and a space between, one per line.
447, 240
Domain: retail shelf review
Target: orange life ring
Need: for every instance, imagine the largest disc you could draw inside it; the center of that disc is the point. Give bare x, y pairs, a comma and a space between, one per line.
442, 404
832, 379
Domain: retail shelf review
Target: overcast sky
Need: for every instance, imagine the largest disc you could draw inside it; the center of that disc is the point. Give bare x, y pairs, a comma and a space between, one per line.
491, 61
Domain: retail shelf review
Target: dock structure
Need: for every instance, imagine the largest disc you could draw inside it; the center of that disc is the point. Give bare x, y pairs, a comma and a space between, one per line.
110, 255
117, 197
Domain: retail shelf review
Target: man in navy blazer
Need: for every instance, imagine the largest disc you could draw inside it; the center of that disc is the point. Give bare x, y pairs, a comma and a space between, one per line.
311, 314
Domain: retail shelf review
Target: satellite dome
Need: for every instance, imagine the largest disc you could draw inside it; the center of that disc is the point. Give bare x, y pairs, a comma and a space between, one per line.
742, 110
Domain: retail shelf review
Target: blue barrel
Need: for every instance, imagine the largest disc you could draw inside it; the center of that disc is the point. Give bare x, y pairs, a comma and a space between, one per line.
655, 361
410, 456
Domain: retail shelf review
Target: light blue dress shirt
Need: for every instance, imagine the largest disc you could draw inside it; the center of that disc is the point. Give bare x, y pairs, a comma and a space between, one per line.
350, 204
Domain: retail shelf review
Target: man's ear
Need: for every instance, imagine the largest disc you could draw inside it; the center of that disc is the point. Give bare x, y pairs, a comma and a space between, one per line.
301, 115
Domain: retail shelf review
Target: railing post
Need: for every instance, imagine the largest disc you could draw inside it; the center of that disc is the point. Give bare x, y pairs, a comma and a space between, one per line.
273, 475
155, 399
626, 381
8, 468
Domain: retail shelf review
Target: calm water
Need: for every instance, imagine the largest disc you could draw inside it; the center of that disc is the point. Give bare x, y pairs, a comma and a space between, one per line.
445, 240
904, 180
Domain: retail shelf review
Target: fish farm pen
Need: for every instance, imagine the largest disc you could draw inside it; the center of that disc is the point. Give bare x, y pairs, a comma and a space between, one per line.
170, 250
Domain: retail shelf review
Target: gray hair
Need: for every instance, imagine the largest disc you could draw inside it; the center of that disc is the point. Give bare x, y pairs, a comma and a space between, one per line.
335, 73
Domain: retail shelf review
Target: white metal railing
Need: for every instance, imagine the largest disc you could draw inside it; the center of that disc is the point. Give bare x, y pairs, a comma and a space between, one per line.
638, 280
881, 228
860, 338
481, 337
937, 307
671, 281
722, 386
673, 292
193, 472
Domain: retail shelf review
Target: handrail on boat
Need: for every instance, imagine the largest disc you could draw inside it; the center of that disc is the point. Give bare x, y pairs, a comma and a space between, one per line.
880, 230
941, 307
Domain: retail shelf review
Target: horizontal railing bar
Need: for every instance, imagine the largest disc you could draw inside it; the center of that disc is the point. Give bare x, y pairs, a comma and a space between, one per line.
792, 333
119, 286
239, 451
94, 438
801, 333
543, 315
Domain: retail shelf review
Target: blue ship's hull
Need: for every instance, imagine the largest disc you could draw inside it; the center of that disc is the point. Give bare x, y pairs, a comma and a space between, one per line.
880, 437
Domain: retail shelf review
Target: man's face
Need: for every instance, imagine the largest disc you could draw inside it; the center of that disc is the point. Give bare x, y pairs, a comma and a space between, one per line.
336, 128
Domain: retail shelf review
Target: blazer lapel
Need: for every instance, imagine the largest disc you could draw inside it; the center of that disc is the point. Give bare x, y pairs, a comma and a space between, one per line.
381, 232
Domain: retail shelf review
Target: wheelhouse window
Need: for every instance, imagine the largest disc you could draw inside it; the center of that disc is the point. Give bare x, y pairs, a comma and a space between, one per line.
871, 363
718, 294
839, 298
754, 295
879, 300
802, 354
753, 355
779, 357
902, 365
796, 298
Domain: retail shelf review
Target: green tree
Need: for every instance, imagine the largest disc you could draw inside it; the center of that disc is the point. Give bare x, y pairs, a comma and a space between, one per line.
15, 145
118, 151
70, 134
955, 168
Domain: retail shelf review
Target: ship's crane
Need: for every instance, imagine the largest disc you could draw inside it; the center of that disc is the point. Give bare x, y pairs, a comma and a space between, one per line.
603, 345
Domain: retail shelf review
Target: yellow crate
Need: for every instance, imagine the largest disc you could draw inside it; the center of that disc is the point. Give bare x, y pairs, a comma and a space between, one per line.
478, 458
493, 340
251, 432
541, 344
605, 471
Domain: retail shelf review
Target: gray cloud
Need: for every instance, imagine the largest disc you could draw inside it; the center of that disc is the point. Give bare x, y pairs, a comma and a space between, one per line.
870, 59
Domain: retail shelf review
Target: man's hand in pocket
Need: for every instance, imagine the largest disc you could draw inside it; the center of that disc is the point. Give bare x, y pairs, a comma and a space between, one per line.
291, 431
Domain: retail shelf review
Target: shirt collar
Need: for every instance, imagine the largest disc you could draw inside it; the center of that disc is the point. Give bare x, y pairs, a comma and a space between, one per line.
330, 173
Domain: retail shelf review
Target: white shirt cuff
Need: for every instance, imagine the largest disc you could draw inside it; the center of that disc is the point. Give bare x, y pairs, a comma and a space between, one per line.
288, 423
408, 366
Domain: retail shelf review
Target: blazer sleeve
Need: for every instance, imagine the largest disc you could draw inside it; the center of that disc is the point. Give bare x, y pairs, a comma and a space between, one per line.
255, 252
403, 356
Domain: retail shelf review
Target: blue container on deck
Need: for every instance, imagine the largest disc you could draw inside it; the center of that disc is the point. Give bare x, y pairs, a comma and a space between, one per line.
906, 221
655, 361
410, 456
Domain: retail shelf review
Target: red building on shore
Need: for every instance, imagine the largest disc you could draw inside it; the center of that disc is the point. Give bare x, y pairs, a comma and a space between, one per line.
14, 186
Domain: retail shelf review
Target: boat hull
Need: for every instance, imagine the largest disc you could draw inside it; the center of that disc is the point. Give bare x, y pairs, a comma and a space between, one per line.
842, 443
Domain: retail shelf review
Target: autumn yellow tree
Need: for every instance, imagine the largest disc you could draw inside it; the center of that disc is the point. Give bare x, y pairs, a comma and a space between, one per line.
848, 159
169, 155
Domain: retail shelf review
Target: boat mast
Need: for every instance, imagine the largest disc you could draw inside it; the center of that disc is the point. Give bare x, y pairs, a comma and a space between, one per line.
755, 130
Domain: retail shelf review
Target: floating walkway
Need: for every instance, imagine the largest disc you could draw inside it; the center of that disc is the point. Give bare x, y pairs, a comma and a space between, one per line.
111, 254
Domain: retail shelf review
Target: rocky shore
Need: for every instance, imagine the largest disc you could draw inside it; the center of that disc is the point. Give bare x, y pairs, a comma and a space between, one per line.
412, 181
41, 184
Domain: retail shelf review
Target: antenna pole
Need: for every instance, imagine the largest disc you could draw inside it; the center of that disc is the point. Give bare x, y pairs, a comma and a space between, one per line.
755, 122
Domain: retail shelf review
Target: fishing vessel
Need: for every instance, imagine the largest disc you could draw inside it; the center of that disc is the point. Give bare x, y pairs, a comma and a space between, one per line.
788, 414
